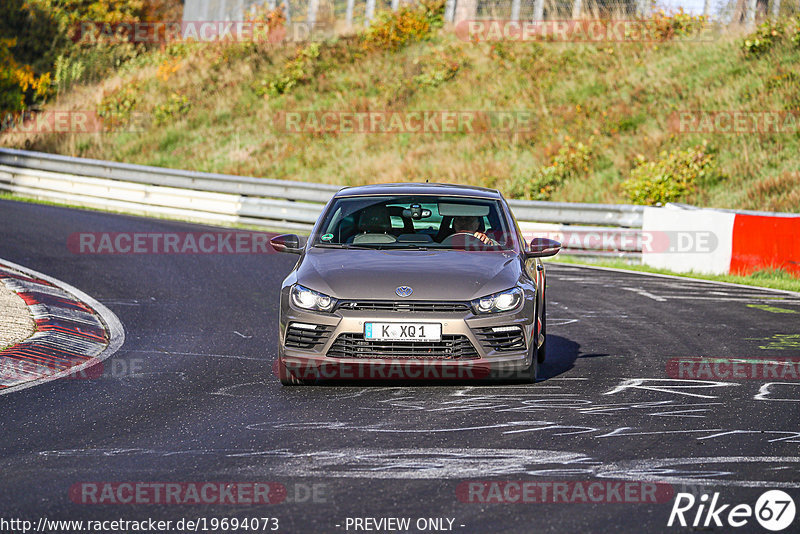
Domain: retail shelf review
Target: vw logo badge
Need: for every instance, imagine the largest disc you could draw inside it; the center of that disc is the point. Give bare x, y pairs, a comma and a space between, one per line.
403, 291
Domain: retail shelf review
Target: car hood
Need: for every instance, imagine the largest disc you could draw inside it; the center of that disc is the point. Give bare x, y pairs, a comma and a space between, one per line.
432, 274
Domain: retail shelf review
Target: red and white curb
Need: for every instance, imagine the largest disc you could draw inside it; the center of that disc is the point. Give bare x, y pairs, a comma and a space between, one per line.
73, 331
723, 241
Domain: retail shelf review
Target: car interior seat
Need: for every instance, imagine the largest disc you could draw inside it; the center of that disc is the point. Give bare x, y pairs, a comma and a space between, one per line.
374, 226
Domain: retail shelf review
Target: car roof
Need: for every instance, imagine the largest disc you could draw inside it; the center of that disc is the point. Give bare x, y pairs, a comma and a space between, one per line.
420, 189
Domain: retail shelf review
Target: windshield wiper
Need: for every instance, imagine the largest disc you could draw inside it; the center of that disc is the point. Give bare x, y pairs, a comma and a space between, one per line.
347, 246
411, 246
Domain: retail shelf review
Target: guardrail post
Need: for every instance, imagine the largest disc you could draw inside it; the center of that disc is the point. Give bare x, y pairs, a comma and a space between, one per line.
311, 19
750, 13
538, 10
287, 12
369, 12
349, 13
449, 10
465, 10
577, 7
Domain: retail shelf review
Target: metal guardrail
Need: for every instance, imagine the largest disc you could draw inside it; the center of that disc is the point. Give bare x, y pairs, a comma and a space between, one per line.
624, 215
143, 174
226, 199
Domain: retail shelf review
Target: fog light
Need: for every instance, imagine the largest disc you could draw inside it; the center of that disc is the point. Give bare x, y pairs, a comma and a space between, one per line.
505, 329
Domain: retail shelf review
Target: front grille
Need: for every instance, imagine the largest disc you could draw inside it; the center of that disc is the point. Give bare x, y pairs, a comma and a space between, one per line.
404, 306
449, 348
305, 338
503, 341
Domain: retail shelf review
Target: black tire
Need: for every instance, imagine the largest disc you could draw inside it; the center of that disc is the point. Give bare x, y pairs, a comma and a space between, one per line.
528, 375
541, 352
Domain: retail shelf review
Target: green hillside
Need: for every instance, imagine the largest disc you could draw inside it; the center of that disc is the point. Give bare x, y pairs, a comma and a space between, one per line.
599, 113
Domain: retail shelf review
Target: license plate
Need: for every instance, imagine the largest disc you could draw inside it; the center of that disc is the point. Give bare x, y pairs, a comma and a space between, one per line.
402, 331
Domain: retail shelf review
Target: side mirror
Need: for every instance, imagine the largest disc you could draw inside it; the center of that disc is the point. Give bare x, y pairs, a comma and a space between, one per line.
286, 243
542, 247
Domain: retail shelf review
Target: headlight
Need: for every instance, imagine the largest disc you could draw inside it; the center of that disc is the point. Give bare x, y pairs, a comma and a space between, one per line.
308, 299
499, 302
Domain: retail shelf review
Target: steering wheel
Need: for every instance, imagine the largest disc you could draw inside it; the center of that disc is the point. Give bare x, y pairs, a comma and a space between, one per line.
469, 240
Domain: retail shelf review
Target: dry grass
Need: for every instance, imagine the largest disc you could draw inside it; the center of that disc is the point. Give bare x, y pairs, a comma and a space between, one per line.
778, 193
621, 95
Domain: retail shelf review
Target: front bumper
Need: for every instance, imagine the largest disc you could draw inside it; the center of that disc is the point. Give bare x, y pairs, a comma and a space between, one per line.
324, 358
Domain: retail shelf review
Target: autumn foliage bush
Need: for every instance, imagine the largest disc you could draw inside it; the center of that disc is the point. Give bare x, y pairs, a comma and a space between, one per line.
392, 30
40, 49
572, 160
673, 176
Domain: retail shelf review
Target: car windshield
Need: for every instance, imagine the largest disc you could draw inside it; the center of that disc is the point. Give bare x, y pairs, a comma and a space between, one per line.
392, 221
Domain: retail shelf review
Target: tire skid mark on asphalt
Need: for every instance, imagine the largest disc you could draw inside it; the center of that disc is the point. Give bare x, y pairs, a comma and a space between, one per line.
521, 427
642, 292
657, 288
197, 354
552, 321
144, 379
465, 463
662, 470
765, 392
529, 404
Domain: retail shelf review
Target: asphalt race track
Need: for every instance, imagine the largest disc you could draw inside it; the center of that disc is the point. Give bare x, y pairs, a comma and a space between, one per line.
192, 397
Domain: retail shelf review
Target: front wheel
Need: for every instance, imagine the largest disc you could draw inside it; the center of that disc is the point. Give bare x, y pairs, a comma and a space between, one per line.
528, 375
541, 352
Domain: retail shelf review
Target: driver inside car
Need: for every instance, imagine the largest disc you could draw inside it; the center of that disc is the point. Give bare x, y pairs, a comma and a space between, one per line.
471, 225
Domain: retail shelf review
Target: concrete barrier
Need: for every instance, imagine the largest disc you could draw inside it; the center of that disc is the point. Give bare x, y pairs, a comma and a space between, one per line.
688, 239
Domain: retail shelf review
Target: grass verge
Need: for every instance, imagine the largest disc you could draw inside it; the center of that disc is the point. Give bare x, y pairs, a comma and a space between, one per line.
772, 279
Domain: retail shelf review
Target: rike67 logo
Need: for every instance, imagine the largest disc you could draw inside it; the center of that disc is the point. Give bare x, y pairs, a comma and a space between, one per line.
774, 510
